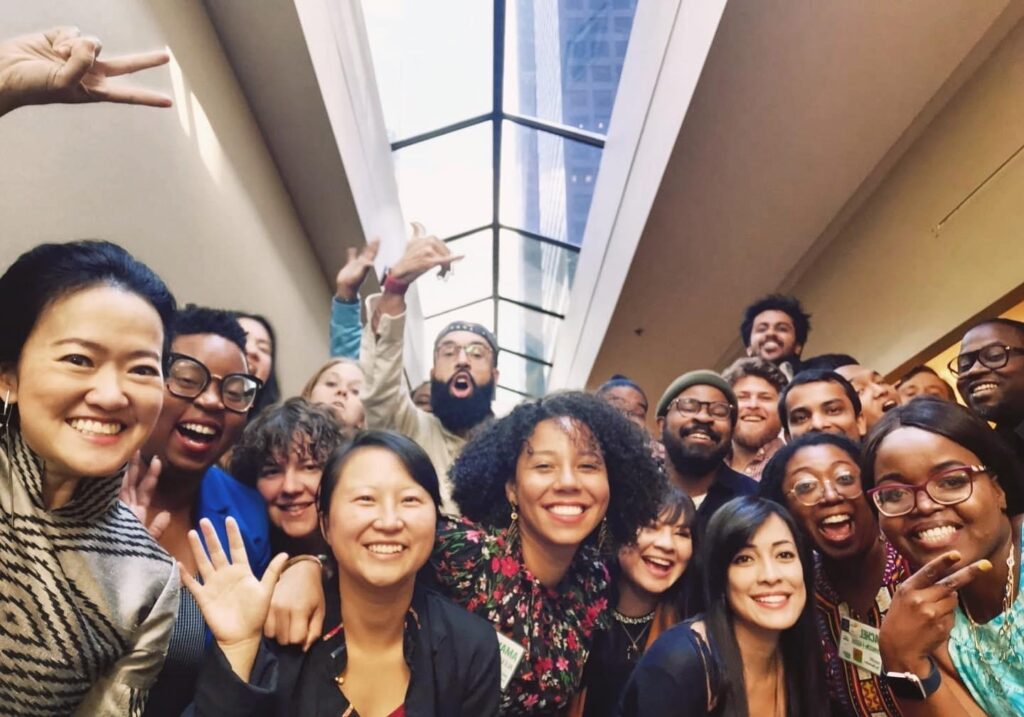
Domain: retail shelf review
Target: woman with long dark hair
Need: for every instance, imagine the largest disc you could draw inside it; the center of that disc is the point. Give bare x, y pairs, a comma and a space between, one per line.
755, 650
261, 355
87, 597
948, 493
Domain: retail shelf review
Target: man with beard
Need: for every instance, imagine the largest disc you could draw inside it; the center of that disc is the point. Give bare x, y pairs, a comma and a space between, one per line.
696, 417
757, 385
990, 376
462, 379
775, 328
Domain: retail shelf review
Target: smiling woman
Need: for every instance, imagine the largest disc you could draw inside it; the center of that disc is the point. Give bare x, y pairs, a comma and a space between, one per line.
80, 379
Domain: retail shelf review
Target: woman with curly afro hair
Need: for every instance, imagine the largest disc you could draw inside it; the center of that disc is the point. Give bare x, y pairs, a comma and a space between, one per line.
542, 492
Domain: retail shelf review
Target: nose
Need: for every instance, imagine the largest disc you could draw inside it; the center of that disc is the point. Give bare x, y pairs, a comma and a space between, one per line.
769, 572
291, 483
663, 538
923, 503
106, 392
567, 479
210, 398
829, 494
819, 422
388, 519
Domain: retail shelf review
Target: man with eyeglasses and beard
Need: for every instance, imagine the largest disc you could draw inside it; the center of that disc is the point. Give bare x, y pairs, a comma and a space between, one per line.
696, 417
462, 379
989, 374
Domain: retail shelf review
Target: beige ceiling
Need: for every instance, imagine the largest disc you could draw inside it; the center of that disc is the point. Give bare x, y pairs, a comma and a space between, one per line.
801, 109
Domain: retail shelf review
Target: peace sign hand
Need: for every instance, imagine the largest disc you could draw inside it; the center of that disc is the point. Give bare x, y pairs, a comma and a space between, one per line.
921, 615
60, 65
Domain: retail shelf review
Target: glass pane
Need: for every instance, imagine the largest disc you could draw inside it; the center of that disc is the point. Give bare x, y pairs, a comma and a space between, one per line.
479, 313
563, 59
547, 182
527, 332
535, 272
445, 183
505, 401
433, 61
470, 278
522, 375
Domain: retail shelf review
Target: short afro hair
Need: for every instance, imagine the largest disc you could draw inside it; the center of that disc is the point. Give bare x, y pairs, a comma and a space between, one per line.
194, 320
788, 305
488, 462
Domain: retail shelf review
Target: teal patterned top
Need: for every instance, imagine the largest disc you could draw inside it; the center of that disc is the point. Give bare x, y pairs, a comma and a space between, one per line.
994, 675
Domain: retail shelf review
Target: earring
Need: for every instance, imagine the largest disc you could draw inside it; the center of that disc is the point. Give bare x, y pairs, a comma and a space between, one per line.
5, 418
603, 536
512, 533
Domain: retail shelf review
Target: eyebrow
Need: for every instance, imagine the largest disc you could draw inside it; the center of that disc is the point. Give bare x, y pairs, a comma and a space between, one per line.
99, 348
776, 544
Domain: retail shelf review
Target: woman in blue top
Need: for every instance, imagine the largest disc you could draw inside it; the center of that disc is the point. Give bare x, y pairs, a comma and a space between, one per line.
948, 494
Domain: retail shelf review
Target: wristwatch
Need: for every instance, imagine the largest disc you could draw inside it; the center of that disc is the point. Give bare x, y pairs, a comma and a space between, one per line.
908, 686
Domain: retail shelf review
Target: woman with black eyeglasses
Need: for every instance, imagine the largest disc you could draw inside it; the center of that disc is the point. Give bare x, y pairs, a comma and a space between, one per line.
948, 494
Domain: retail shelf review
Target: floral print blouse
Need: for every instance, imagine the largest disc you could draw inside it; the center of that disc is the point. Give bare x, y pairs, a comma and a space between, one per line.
481, 570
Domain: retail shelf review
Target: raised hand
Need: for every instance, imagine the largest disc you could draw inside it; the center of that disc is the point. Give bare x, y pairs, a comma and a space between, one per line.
921, 615
233, 602
352, 275
423, 253
137, 491
60, 65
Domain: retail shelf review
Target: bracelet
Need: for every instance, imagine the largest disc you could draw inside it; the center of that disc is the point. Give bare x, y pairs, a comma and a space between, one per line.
393, 286
304, 559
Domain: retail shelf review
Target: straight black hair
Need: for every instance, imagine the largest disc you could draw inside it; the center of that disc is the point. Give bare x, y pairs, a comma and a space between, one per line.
271, 392
817, 376
729, 530
828, 362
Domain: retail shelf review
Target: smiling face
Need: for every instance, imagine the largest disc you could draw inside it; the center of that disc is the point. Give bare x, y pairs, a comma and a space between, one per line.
659, 558
289, 485
381, 522
338, 387
876, 394
561, 484
191, 434
757, 412
697, 443
822, 406
259, 348
88, 384
924, 383
977, 527
773, 337
838, 527
766, 589
995, 394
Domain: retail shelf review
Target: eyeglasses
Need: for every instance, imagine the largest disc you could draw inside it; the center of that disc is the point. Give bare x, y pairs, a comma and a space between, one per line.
947, 488
691, 407
474, 352
188, 378
991, 356
811, 491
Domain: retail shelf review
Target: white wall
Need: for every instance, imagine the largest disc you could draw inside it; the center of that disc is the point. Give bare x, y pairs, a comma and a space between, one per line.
192, 190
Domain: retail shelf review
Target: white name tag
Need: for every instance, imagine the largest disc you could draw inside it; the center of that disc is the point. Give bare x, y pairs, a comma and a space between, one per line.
511, 653
858, 644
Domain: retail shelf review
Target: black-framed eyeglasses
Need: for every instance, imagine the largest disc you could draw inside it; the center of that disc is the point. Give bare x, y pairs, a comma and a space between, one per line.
811, 491
991, 356
687, 407
187, 377
947, 488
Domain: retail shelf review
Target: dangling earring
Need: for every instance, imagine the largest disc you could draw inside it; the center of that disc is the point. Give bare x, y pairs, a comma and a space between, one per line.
5, 418
603, 537
512, 533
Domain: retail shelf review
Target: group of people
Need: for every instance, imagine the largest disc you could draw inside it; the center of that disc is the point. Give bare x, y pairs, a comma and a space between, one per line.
797, 537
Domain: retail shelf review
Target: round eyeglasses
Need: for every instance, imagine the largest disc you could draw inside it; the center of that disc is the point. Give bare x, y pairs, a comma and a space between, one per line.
687, 407
188, 378
947, 488
992, 356
811, 491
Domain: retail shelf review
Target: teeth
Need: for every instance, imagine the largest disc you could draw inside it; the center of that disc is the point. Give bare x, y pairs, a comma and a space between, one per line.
833, 519
199, 428
385, 548
659, 562
294, 508
569, 510
935, 535
87, 425
983, 388
772, 600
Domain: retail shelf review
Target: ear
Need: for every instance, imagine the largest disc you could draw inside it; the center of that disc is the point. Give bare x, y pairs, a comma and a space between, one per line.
8, 384
495, 373
324, 528
862, 425
798, 349
510, 494
750, 350
660, 422
1000, 493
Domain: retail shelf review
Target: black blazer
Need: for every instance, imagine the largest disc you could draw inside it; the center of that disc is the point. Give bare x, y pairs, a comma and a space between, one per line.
452, 656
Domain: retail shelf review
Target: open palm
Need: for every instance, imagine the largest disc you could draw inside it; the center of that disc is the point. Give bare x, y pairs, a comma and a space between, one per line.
233, 602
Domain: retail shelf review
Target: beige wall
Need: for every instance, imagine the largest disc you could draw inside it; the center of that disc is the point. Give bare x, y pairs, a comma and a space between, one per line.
191, 190
894, 282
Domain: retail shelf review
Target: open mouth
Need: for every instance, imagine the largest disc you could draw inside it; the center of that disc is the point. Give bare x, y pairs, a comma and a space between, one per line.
461, 385
985, 388
772, 601
889, 405
386, 549
938, 536
700, 435
294, 508
566, 512
752, 418
836, 528
93, 427
659, 567
197, 435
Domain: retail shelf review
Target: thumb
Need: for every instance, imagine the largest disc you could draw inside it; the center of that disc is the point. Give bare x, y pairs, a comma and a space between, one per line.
418, 230
274, 570
350, 255
159, 524
83, 54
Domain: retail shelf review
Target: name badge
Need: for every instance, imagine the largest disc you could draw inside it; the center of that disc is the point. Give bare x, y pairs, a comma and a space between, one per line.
511, 653
858, 645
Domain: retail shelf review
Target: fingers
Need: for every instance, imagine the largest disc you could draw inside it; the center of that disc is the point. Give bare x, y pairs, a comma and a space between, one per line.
130, 96
371, 249
236, 545
350, 254
159, 524
274, 570
932, 571
418, 230
147, 486
199, 554
187, 580
83, 55
213, 546
316, 627
965, 575
127, 64
271, 624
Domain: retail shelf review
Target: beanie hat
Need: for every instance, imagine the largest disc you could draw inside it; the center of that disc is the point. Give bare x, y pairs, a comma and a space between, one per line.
695, 378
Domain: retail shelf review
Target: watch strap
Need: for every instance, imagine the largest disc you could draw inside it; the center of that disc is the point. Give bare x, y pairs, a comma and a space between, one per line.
908, 686
393, 286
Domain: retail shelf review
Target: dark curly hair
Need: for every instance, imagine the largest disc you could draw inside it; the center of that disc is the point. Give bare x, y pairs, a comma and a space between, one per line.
788, 305
273, 432
488, 462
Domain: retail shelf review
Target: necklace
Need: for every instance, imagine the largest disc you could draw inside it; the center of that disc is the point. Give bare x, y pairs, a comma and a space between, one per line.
1005, 646
633, 649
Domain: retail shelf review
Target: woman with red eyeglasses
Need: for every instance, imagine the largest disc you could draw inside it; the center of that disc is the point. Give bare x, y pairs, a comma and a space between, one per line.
948, 494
